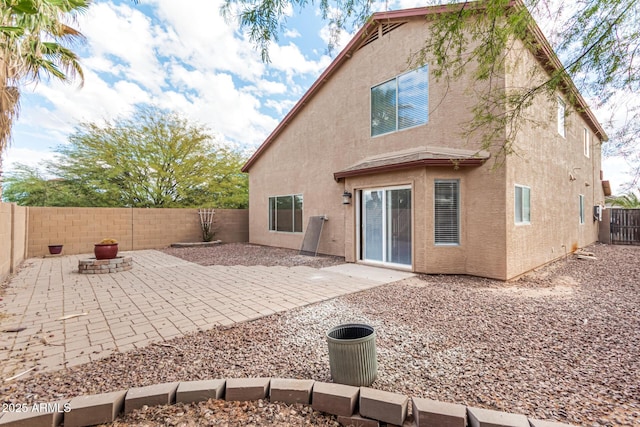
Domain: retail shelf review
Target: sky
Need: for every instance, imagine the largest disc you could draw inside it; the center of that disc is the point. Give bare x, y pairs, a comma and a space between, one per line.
185, 57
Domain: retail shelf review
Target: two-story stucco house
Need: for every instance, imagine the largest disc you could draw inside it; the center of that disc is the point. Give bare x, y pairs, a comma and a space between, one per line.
423, 197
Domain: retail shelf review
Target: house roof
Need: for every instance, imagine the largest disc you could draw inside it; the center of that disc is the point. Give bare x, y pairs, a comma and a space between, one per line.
544, 53
415, 157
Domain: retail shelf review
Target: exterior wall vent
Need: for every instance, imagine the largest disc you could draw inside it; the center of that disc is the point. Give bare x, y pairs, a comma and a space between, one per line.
380, 31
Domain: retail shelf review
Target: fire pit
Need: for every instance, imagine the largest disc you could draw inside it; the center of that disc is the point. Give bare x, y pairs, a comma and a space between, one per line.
103, 266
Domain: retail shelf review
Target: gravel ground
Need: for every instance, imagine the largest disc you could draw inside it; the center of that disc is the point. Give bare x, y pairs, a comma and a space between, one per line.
562, 343
248, 254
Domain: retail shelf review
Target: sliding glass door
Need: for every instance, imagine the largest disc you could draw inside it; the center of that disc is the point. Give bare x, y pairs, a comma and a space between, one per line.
386, 225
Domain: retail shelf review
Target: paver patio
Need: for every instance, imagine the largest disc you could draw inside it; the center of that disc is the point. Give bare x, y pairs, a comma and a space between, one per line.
160, 298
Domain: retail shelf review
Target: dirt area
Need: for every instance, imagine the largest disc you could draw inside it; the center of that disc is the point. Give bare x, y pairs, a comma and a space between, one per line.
562, 343
248, 254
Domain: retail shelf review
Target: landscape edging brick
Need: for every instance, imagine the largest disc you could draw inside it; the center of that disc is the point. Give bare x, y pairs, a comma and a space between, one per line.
118, 406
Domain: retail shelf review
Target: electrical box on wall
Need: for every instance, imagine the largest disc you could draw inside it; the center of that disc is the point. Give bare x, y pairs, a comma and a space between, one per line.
597, 213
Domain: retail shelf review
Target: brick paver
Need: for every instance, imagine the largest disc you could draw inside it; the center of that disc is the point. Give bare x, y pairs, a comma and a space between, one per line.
162, 297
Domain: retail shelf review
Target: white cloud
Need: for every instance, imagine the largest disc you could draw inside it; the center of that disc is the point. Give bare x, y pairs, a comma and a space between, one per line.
25, 156
35, 119
617, 172
97, 100
126, 34
292, 33
281, 107
217, 103
267, 87
292, 62
202, 37
406, 4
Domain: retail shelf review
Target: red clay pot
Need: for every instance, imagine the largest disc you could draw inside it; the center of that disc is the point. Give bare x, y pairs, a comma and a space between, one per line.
55, 249
108, 251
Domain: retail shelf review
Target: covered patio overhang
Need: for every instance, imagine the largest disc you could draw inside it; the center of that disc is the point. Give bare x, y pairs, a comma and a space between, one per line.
415, 157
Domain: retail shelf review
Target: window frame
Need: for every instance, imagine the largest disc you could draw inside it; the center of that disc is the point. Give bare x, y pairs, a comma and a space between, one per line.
272, 207
562, 111
520, 203
397, 79
435, 212
587, 142
581, 208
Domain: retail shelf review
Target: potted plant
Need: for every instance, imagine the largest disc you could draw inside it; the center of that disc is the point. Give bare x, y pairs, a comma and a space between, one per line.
55, 249
106, 249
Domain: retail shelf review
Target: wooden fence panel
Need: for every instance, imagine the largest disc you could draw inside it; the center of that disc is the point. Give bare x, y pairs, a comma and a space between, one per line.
625, 226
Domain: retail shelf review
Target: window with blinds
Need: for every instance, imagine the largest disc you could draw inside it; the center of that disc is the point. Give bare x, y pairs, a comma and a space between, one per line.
383, 108
400, 103
447, 212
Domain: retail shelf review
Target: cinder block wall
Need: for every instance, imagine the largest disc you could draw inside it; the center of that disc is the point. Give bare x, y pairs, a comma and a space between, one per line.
20, 235
231, 225
5, 238
78, 229
13, 229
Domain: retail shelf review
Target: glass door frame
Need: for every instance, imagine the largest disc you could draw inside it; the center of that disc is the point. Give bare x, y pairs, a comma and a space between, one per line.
359, 227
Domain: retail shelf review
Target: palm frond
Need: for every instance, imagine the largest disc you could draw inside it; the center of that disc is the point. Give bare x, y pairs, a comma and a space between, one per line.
34, 35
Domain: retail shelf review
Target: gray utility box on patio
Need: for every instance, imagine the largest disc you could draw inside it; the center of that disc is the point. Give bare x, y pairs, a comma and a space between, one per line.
352, 354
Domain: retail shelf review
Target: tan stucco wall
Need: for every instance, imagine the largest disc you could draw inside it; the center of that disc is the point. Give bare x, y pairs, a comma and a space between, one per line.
332, 132
78, 229
544, 161
482, 249
13, 228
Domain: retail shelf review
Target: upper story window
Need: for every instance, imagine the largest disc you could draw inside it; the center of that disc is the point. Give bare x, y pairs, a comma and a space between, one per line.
561, 116
586, 142
400, 103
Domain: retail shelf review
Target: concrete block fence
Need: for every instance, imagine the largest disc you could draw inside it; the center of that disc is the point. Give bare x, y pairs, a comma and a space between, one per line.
78, 229
26, 232
354, 406
13, 237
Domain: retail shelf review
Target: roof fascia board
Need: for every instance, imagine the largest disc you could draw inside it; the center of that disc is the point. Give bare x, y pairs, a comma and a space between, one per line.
409, 165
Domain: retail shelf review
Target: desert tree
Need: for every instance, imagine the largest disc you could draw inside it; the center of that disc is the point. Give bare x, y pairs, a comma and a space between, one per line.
154, 158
